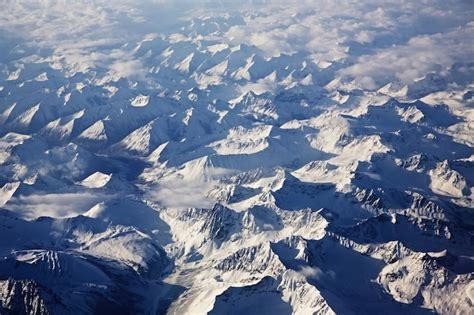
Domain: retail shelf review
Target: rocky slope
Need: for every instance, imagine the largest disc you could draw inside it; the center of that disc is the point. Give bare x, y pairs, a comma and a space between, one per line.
192, 170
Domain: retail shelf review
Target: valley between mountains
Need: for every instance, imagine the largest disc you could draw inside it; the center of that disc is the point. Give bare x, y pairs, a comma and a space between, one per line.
263, 159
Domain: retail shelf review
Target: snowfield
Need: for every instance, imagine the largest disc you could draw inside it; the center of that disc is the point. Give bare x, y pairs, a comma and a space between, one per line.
265, 157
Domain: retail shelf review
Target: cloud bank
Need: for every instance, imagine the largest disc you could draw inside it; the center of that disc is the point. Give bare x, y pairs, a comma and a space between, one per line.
371, 42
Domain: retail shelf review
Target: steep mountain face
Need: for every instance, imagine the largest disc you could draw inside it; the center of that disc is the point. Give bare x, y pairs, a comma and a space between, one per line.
275, 159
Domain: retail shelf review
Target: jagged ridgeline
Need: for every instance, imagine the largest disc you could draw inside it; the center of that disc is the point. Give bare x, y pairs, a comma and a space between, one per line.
180, 157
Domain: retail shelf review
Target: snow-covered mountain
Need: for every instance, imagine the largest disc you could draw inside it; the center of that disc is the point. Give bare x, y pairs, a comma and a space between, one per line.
164, 157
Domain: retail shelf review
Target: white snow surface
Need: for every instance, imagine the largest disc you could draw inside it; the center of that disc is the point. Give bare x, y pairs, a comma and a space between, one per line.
251, 157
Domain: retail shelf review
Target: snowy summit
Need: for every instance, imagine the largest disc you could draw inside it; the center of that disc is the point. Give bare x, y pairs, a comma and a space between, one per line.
237, 157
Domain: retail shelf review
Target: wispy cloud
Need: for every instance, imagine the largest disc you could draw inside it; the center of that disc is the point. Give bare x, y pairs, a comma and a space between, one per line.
419, 56
56, 205
373, 41
376, 41
181, 193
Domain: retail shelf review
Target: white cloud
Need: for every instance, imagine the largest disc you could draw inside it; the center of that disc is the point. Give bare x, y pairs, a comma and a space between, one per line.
55, 205
316, 273
181, 193
418, 57
374, 40
398, 40
85, 35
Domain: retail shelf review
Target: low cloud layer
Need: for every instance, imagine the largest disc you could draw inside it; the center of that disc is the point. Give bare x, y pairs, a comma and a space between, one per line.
183, 194
379, 41
55, 205
372, 42
414, 59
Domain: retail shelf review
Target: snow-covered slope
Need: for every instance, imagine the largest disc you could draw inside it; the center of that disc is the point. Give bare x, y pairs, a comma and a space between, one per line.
180, 157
